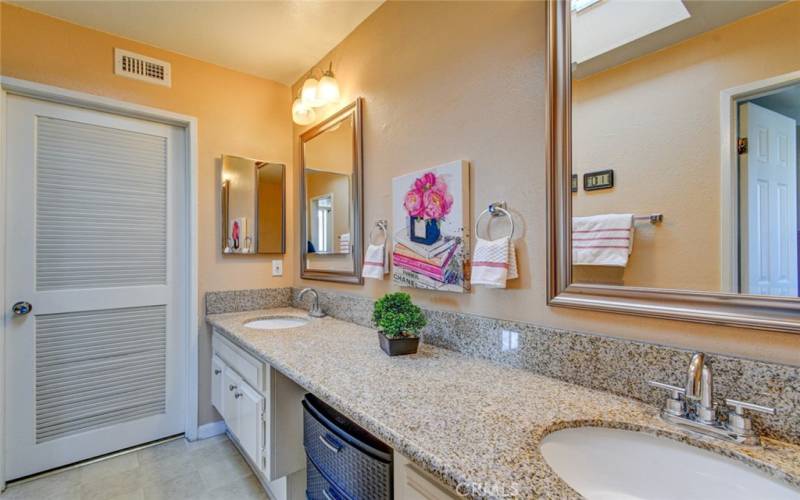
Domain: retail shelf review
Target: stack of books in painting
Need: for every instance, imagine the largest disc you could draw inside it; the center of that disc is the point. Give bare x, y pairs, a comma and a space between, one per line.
427, 266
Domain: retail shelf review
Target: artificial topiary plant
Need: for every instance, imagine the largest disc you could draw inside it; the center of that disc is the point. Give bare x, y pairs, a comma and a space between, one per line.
396, 316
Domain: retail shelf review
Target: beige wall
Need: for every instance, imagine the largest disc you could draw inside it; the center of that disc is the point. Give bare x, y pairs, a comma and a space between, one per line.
465, 80
655, 121
237, 114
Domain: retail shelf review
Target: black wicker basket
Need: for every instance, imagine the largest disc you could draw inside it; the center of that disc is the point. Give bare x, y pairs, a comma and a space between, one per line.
355, 463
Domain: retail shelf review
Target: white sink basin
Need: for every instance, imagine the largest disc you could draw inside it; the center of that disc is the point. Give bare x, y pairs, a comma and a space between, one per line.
615, 464
276, 323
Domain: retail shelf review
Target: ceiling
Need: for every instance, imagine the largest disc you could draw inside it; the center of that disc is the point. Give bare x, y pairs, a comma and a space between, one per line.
278, 40
704, 16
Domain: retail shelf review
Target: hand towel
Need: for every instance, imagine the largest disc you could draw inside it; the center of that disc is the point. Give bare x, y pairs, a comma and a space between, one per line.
494, 262
602, 240
376, 265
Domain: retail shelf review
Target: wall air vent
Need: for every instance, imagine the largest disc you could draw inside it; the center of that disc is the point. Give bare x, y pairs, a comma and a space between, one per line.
141, 67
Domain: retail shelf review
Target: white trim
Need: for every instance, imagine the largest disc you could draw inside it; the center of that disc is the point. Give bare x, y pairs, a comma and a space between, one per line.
4, 311
729, 182
105, 104
211, 429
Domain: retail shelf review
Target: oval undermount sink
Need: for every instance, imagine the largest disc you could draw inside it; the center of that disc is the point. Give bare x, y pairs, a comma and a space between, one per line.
276, 323
602, 464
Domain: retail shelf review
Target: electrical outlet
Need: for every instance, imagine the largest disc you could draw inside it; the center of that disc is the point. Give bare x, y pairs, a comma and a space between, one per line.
277, 267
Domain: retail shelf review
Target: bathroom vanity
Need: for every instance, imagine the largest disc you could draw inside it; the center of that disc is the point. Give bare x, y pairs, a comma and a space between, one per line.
459, 426
261, 409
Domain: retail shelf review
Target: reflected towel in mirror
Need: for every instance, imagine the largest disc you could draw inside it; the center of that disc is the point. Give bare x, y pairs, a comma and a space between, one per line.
602, 240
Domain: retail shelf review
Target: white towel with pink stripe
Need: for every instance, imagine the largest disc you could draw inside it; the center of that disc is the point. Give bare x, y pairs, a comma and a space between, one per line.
376, 265
494, 262
602, 240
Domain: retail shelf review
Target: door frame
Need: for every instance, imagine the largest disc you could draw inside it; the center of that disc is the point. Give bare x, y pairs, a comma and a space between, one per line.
729, 168
58, 95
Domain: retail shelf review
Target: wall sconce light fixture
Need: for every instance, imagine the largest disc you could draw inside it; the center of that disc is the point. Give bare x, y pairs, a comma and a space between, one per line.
315, 94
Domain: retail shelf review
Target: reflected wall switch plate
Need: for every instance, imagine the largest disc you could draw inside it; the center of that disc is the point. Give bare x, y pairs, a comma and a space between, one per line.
277, 267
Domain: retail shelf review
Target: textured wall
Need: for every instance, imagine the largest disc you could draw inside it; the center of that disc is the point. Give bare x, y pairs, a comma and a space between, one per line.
655, 121
465, 80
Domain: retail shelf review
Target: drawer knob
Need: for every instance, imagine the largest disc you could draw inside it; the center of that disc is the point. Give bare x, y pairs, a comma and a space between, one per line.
217, 371
231, 387
237, 395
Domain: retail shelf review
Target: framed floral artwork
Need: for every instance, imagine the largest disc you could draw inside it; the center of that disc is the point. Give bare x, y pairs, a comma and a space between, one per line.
430, 214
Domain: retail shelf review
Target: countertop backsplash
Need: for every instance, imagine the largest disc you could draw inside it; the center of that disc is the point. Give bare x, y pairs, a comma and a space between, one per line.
619, 366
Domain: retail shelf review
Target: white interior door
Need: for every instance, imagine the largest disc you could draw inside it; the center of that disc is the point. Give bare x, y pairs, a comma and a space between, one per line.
95, 235
768, 202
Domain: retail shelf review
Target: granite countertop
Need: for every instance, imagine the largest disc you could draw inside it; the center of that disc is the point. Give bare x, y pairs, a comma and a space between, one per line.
467, 421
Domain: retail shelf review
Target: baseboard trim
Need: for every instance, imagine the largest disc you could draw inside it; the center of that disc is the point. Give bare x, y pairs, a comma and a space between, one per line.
211, 429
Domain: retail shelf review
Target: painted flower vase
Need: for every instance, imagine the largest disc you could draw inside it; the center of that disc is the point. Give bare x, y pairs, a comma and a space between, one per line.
424, 231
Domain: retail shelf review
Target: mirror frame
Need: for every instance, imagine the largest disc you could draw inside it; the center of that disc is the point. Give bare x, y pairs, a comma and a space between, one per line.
356, 197
748, 311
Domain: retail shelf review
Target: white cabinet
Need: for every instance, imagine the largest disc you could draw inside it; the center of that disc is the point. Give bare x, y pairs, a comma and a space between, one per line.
230, 386
216, 383
412, 483
263, 412
249, 425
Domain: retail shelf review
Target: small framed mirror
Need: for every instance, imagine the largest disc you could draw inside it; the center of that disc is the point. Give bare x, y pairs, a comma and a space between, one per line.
331, 220
673, 163
253, 206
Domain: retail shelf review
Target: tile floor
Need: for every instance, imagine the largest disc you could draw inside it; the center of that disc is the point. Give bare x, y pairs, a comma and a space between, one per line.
203, 470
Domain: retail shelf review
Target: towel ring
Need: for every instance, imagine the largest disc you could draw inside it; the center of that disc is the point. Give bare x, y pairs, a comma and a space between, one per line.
382, 225
496, 210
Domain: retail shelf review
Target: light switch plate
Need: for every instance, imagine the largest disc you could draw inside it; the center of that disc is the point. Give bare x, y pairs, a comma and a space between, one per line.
277, 267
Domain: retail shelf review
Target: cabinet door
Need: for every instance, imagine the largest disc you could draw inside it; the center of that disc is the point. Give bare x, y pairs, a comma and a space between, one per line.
230, 388
217, 367
250, 425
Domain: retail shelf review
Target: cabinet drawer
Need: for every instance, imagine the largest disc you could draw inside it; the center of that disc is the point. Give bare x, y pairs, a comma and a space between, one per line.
411, 483
419, 487
350, 459
318, 488
249, 368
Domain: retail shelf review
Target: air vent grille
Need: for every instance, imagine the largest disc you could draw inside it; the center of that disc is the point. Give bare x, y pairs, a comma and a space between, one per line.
141, 67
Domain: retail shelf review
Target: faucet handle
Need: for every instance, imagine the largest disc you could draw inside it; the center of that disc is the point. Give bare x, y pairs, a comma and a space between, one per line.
738, 422
740, 406
675, 404
675, 391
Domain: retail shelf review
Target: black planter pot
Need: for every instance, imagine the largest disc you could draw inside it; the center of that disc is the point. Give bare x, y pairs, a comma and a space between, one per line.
397, 346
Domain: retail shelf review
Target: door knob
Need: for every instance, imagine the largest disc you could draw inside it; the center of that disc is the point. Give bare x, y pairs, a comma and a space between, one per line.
22, 308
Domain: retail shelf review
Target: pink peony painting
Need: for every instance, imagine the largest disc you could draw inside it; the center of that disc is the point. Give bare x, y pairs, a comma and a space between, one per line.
428, 198
430, 234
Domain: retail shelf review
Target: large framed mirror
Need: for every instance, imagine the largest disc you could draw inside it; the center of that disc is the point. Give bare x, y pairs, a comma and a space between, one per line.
252, 195
331, 219
673, 160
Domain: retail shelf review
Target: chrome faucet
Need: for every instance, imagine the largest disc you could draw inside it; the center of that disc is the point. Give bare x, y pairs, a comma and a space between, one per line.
693, 406
699, 392
315, 311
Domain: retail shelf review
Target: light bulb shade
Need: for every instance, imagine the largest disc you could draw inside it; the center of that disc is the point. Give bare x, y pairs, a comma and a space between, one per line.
302, 114
310, 93
328, 89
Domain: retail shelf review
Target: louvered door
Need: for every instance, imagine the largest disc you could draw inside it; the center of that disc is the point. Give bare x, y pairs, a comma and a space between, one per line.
96, 243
